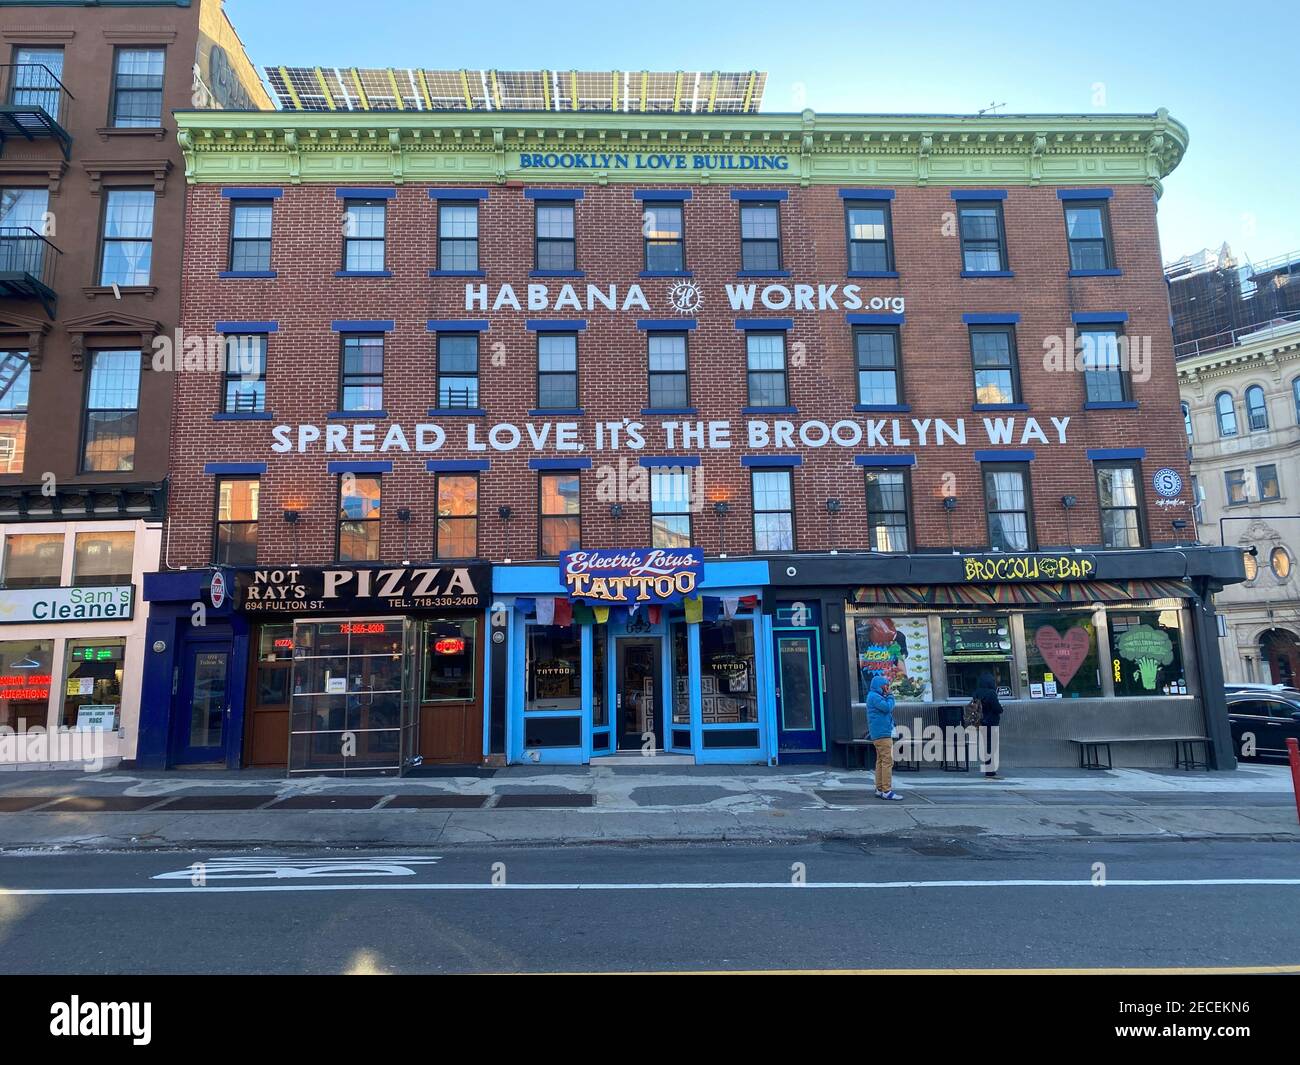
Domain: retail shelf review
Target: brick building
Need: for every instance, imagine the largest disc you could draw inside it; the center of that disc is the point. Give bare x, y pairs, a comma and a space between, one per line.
889, 393
92, 204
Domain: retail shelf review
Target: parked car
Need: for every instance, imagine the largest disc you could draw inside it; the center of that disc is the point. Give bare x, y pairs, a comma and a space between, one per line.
1268, 713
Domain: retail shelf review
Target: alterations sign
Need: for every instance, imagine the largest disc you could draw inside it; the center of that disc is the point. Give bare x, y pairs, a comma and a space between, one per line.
297, 590
627, 576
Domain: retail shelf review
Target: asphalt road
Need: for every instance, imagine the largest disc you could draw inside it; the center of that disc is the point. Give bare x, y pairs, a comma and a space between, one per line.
891, 905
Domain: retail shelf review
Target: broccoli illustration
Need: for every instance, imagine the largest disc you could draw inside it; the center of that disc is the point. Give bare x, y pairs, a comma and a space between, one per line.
1148, 649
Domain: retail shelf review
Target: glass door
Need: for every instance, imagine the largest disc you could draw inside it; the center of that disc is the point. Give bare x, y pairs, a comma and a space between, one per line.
799, 691
203, 705
638, 693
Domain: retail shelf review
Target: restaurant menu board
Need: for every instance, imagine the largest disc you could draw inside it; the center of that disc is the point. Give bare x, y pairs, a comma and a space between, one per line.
976, 639
900, 649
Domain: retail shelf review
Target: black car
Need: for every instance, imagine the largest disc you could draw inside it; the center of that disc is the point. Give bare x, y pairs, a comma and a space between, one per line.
1267, 716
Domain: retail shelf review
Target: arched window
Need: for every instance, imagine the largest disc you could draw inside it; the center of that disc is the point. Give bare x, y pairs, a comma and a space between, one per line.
1279, 559
1187, 421
1227, 414
1256, 410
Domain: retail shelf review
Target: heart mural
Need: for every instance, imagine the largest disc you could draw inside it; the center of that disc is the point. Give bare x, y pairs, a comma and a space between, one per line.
1063, 654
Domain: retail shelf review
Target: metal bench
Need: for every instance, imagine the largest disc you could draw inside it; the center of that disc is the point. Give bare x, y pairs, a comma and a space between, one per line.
1185, 750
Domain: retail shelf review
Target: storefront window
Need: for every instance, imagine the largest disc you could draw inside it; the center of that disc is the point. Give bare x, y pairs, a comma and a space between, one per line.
553, 668
898, 647
728, 681
274, 664
1061, 653
103, 558
25, 677
598, 718
681, 675
974, 646
449, 660
93, 686
1146, 653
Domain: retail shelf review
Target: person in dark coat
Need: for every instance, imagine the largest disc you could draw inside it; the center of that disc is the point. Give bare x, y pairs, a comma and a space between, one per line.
986, 691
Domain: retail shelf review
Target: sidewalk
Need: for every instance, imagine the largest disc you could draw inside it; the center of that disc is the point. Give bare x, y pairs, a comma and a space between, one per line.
632, 804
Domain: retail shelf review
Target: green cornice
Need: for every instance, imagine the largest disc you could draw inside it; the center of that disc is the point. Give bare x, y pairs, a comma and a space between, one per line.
485, 147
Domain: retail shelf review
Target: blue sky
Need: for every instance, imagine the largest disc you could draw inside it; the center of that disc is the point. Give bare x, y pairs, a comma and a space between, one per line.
1225, 70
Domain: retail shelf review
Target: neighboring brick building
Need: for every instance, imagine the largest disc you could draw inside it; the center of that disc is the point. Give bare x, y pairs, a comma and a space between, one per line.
477, 337
92, 205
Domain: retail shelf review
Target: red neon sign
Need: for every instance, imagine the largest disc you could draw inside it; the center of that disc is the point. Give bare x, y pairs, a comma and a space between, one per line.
452, 645
362, 628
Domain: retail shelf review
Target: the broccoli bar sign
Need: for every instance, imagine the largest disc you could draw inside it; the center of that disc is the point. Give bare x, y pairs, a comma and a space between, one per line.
1011, 569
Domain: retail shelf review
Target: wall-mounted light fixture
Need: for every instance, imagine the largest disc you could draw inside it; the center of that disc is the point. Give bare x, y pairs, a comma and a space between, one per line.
616, 511
1068, 503
505, 513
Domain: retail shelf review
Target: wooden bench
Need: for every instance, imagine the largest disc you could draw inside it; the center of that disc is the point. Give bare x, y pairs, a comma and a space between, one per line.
1185, 750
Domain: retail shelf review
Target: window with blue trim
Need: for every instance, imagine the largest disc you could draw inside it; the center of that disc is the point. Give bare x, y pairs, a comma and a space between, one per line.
1119, 497
889, 510
1105, 373
556, 243
665, 237
359, 518
670, 506
234, 540
1006, 499
457, 495
1087, 230
250, 236
457, 370
364, 228
773, 494
244, 380
760, 236
993, 356
457, 235
983, 237
667, 370
559, 526
870, 235
557, 370
362, 386
765, 366
880, 379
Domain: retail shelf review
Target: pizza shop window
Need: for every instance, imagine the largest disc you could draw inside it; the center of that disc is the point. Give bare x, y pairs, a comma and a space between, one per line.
973, 646
93, 684
33, 560
26, 668
1146, 652
1061, 656
103, 557
449, 653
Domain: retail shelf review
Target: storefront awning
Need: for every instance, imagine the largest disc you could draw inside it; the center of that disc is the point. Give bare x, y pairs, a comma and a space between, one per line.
1017, 594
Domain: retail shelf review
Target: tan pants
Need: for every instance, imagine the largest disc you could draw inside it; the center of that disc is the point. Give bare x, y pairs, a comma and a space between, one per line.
884, 764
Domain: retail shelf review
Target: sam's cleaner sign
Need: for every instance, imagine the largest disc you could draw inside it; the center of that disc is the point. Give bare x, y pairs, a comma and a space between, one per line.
25, 605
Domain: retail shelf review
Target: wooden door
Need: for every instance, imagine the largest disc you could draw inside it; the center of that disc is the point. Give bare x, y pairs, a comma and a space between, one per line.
266, 717
451, 692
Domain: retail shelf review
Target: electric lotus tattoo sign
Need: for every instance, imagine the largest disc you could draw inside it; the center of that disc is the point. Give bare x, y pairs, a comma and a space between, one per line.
623, 577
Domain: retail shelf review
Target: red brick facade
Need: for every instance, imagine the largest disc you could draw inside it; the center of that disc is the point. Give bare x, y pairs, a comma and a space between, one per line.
303, 365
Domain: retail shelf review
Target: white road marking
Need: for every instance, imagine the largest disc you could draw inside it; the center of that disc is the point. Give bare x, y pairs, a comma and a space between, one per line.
700, 886
259, 867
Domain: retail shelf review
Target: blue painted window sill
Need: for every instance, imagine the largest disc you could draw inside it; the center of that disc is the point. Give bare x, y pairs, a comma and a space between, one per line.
543, 412
769, 410
1096, 273
458, 273
338, 415
457, 412
999, 406
657, 411
1127, 404
987, 273
883, 408
872, 273
363, 273
243, 416
667, 273
246, 273
557, 273
762, 273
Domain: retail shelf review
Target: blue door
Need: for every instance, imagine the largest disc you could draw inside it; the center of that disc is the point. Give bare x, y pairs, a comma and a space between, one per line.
201, 725
800, 715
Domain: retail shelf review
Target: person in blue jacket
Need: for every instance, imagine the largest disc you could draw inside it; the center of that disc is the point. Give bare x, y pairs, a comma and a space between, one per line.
880, 727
